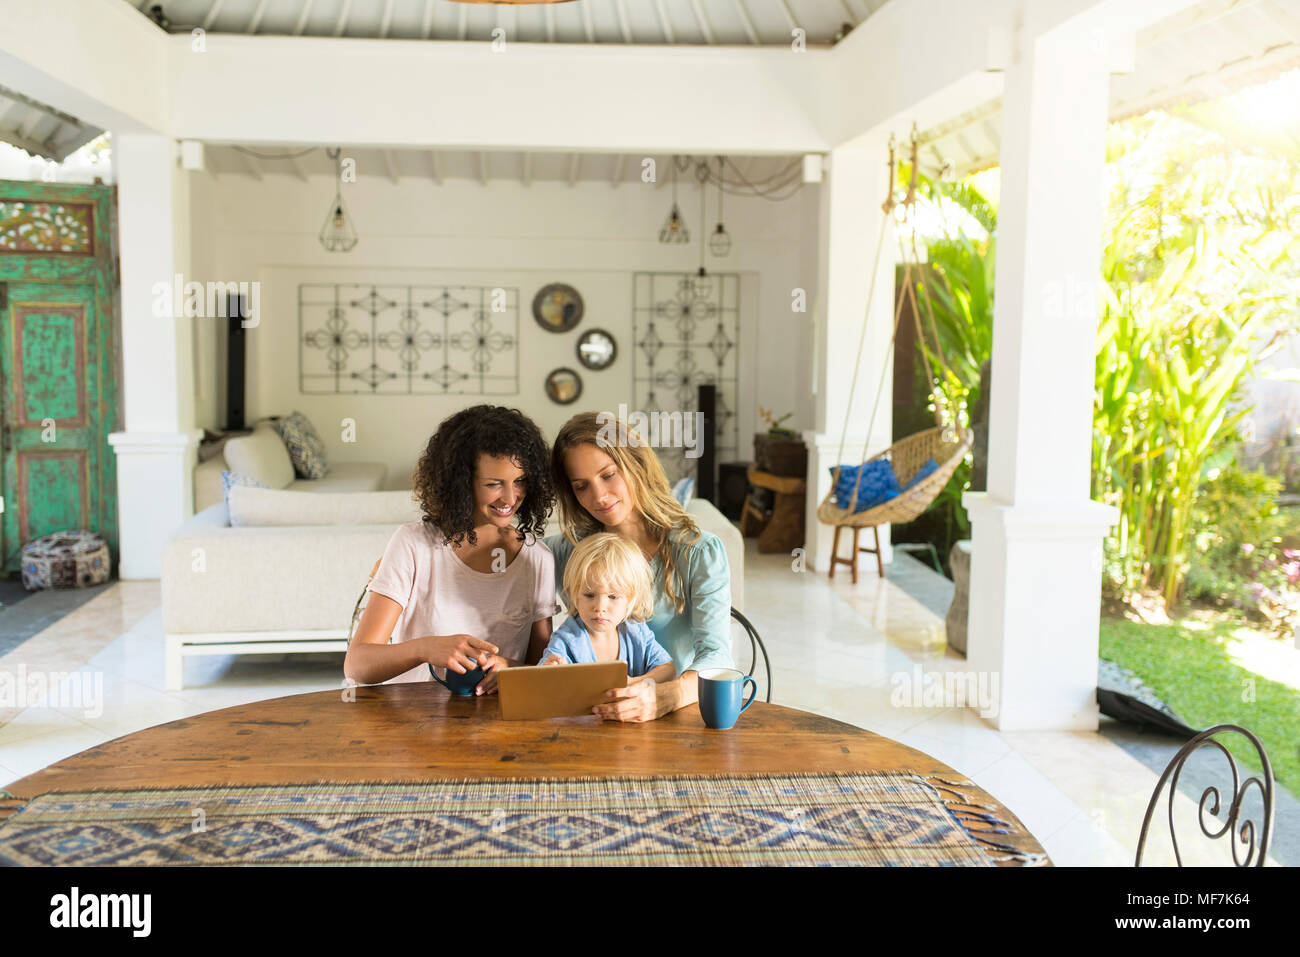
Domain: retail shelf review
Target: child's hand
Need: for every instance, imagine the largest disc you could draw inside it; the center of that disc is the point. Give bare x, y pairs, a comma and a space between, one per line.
554, 660
491, 664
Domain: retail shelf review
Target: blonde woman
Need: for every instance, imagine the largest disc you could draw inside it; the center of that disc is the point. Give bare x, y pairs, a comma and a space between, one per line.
608, 479
611, 594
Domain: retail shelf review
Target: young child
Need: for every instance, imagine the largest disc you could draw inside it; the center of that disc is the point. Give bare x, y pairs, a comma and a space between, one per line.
610, 595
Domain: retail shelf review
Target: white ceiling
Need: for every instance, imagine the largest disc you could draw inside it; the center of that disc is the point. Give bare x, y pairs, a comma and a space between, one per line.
707, 22
1207, 51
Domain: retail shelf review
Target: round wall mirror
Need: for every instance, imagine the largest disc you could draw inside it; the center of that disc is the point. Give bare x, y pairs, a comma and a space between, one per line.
596, 349
563, 386
557, 307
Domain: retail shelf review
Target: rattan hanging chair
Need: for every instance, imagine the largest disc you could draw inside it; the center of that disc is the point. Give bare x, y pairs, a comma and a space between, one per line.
946, 444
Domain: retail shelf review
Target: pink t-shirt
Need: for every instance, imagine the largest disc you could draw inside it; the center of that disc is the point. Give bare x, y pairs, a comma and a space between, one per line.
441, 595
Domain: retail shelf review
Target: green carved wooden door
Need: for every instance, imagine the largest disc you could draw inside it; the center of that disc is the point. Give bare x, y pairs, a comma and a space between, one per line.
58, 363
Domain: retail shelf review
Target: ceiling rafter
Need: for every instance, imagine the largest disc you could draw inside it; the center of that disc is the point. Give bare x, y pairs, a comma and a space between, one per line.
342, 22
623, 21
550, 23
587, 24
575, 166
749, 24
250, 164
616, 180
390, 164
14, 137
296, 168
213, 12
386, 20
789, 15
665, 23
256, 22
704, 23
435, 167
464, 21
426, 26
302, 18
481, 165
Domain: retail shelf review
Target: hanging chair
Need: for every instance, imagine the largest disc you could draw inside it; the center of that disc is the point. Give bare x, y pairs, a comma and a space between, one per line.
946, 444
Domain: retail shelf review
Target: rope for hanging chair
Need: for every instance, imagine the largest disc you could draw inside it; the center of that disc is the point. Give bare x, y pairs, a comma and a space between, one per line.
947, 445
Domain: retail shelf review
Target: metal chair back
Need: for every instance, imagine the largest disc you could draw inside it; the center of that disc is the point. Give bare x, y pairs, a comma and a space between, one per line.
1247, 835
756, 648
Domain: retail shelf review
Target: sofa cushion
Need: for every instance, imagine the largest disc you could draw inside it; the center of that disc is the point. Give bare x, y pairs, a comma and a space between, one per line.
261, 456
251, 507
306, 450
346, 477
231, 479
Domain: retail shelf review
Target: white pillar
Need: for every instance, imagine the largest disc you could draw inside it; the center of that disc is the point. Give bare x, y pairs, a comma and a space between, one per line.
851, 218
1036, 548
156, 452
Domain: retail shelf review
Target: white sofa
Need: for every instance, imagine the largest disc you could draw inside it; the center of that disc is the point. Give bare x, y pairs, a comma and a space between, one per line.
275, 588
341, 477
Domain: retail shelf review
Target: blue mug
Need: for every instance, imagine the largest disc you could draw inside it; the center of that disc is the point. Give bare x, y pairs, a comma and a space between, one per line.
720, 692
458, 684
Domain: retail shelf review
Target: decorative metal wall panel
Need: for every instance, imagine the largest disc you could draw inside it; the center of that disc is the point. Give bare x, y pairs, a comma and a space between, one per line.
408, 340
687, 333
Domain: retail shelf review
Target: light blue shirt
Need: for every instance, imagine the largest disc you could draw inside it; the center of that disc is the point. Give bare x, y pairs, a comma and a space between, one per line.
699, 636
636, 646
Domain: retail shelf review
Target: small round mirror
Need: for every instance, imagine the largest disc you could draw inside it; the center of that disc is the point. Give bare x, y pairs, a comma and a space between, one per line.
596, 349
563, 386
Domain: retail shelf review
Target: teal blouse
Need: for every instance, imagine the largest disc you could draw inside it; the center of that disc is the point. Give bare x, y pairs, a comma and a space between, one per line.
699, 636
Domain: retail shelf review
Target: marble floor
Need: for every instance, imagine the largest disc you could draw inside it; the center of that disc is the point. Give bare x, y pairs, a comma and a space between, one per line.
842, 650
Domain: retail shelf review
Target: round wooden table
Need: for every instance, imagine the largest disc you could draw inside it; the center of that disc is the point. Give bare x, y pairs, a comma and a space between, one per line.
415, 732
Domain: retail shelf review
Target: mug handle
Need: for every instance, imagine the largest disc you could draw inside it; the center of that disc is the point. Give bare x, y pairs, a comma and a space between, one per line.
752, 696
435, 677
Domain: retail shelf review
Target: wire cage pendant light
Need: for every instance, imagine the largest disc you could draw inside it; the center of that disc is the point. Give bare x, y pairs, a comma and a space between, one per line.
338, 234
702, 284
720, 241
674, 228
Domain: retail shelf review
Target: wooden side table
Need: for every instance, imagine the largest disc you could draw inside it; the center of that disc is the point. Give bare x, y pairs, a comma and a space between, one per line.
784, 531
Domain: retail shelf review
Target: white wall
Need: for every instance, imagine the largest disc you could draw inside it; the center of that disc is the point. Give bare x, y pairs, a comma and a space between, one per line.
591, 235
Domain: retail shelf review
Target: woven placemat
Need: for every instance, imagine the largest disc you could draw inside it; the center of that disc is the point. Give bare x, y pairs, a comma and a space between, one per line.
816, 819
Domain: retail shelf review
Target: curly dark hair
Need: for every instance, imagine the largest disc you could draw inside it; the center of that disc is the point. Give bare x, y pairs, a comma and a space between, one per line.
444, 476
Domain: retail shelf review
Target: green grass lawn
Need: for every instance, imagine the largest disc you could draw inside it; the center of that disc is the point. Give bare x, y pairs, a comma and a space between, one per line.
1189, 665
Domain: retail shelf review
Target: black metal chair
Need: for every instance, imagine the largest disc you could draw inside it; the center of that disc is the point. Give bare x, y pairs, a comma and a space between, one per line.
1247, 833
756, 647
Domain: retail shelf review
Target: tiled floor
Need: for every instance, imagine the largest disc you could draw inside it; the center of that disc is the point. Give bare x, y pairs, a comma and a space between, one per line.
837, 649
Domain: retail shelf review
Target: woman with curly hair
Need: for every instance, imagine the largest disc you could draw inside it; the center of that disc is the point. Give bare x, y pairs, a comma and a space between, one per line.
608, 479
471, 582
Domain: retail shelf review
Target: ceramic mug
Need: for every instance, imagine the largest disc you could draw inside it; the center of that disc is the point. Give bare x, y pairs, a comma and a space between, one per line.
721, 690
458, 684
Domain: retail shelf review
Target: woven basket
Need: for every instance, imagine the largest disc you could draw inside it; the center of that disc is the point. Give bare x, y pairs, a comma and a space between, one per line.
947, 446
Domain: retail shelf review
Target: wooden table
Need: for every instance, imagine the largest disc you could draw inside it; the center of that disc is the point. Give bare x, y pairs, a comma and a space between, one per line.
418, 732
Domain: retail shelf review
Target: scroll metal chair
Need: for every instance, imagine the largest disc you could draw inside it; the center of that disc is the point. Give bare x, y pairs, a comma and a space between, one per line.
1247, 834
756, 647
360, 606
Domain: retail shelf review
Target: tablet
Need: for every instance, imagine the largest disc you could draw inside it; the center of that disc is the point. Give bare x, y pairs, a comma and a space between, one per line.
557, 691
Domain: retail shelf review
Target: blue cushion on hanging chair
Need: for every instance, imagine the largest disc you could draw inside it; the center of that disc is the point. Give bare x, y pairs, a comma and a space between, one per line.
923, 473
878, 485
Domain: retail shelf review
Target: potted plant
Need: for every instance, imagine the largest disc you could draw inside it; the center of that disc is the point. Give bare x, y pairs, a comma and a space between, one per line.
779, 451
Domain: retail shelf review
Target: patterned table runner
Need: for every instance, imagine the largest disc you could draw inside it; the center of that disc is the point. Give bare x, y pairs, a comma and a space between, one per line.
817, 819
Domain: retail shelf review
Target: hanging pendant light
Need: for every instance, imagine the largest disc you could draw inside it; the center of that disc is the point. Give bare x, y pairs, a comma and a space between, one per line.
674, 229
720, 241
337, 235
702, 284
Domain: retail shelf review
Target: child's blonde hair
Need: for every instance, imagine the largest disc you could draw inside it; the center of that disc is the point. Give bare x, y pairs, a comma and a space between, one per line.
609, 559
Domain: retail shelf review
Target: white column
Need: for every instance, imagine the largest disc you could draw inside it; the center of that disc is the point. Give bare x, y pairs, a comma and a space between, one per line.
1036, 544
851, 217
156, 452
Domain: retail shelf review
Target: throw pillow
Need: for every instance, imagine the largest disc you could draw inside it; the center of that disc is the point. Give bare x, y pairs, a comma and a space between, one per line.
683, 491
230, 479
923, 473
878, 485
305, 447
262, 456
